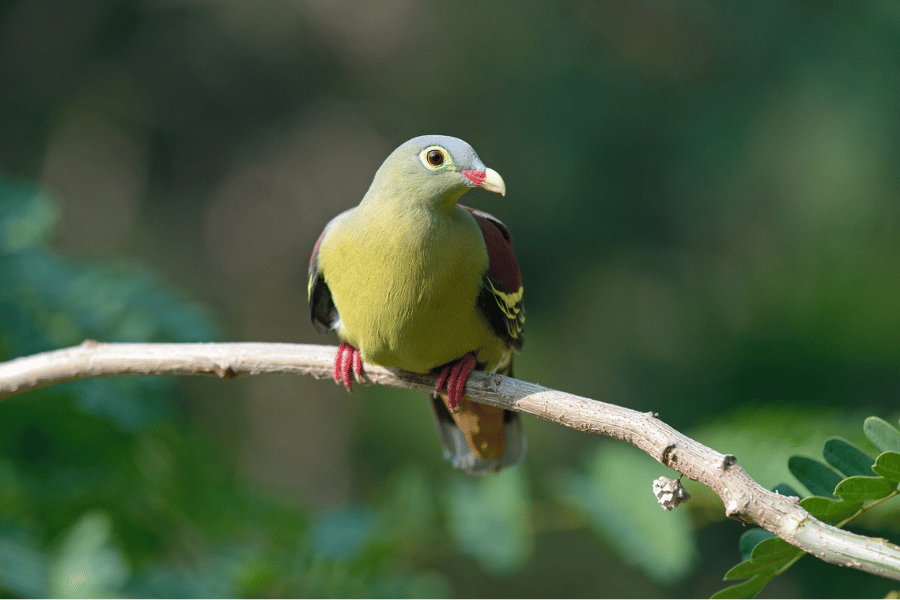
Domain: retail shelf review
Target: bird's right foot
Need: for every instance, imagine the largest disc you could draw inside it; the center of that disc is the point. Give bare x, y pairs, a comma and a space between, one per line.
454, 375
347, 366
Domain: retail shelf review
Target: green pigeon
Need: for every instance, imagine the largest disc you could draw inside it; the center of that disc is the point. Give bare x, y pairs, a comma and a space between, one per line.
411, 279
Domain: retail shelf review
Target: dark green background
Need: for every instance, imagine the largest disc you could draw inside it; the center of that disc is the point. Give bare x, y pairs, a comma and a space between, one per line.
704, 199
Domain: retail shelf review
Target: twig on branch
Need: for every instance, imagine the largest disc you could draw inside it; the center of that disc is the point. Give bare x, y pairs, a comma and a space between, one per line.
743, 498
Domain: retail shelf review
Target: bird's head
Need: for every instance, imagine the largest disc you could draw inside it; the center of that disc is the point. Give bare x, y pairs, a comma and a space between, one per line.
435, 169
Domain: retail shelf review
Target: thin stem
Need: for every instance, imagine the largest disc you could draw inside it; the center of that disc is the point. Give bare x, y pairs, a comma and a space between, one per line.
868, 507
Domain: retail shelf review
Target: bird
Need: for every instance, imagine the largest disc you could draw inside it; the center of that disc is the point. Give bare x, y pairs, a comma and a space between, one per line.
411, 279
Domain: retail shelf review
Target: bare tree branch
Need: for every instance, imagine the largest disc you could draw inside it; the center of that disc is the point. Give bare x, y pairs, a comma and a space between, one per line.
743, 498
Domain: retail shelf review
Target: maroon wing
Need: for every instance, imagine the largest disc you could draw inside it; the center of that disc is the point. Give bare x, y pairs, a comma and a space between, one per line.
500, 298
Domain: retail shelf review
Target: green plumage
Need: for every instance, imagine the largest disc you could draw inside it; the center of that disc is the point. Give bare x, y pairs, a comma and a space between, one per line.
404, 278
405, 287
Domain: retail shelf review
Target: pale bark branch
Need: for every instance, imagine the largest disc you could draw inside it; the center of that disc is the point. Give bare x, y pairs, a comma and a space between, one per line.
743, 498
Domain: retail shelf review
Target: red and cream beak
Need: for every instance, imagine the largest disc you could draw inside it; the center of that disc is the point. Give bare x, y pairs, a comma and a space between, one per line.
488, 179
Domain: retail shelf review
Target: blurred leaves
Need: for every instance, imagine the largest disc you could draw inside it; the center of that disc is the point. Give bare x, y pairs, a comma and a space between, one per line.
27, 219
172, 522
343, 533
616, 494
23, 569
87, 564
490, 519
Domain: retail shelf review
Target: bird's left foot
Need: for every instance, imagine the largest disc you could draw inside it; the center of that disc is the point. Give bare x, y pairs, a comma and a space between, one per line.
347, 362
455, 375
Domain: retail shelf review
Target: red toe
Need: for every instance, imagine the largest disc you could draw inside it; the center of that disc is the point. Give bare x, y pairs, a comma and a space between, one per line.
347, 362
455, 376
357, 365
336, 374
442, 378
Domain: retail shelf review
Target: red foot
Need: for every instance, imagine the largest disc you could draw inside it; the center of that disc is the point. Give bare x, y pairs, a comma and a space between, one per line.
346, 362
455, 375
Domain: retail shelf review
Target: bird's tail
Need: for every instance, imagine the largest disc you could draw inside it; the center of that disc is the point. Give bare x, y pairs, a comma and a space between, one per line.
478, 438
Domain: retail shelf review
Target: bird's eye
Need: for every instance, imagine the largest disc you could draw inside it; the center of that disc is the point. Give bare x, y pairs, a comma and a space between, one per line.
436, 158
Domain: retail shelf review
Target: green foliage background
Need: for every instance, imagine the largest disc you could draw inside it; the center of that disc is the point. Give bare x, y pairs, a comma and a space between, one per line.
704, 198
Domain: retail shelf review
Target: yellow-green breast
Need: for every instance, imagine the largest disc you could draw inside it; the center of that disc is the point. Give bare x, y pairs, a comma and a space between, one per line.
405, 287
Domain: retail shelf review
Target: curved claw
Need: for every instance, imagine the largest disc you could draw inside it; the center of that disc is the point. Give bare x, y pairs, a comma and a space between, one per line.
346, 362
455, 375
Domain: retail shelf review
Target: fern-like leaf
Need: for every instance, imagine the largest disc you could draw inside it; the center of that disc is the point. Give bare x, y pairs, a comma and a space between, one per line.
837, 500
